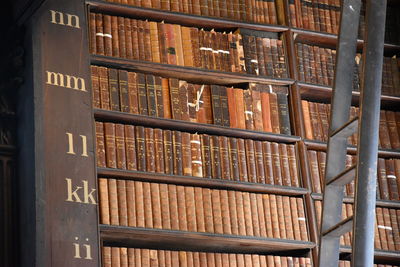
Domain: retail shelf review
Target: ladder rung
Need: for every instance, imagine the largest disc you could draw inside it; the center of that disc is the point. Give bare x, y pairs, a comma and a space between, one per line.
347, 129
340, 229
345, 177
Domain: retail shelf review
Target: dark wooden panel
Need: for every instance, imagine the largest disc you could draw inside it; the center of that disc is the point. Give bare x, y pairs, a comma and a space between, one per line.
178, 240
115, 116
190, 74
202, 182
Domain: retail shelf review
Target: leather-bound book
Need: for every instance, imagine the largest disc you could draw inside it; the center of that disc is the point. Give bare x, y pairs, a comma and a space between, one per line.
391, 179
315, 123
159, 150
135, 37
240, 213
276, 164
317, 61
206, 155
147, 41
307, 119
194, 37
324, 120
233, 53
151, 95
158, 89
215, 40
241, 56
259, 159
268, 168
156, 205
148, 210
224, 106
100, 146
145, 257
123, 90
122, 204
113, 198
295, 218
190, 208
142, 94
283, 110
272, 12
209, 40
381, 228
94, 70
186, 154
115, 256
196, 159
199, 209
260, 56
175, 102
120, 145
266, 112
206, 97
140, 148
251, 161
247, 54
92, 33
274, 216
233, 213
224, 156
128, 38
171, 44
382, 180
166, 98
285, 169
302, 219
288, 217
109, 133
300, 60
192, 102
254, 214
248, 109
106, 256
162, 38
155, 45
384, 138
173, 206
114, 90
232, 107
294, 173
177, 152
392, 129
174, 5
275, 122
133, 103
234, 159
130, 147
243, 173
208, 210
281, 217
216, 105
150, 150
275, 57
257, 108
165, 207
261, 215
115, 36
121, 37
269, 68
182, 213
187, 47
168, 152
141, 40
315, 179
215, 157
99, 34
104, 202
183, 100
226, 216
267, 215
395, 227
139, 204
216, 212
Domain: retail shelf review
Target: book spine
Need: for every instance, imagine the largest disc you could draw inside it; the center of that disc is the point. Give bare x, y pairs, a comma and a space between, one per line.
150, 150
177, 152
206, 155
283, 110
273, 101
234, 159
224, 156
168, 152
141, 148
159, 150
120, 146
158, 87
251, 161
196, 159
175, 103
186, 154
123, 90
100, 146
114, 90
151, 95
109, 133
133, 93
142, 94
128, 38
183, 100
130, 147
215, 157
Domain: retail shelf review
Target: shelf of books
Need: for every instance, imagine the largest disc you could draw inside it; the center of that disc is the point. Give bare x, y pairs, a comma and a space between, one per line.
211, 121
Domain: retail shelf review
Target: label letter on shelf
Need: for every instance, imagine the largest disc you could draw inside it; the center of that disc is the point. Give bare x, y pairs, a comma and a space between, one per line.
71, 145
57, 17
86, 248
74, 194
67, 81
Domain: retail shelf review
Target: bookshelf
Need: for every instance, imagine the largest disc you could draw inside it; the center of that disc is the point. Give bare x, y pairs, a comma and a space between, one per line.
61, 148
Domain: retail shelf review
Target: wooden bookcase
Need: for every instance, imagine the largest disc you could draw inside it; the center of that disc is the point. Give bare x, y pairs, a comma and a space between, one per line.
58, 202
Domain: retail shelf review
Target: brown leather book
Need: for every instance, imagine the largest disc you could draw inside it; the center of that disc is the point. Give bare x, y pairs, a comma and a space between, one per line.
314, 171
254, 214
114, 90
283, 111
178, 45
295, 218
145, 257
115, 256
234, 159
215, 157
192, 102
269, 68
288, 217
273, 101
259, 159
99, 34
142, 94
162, 38
392, 129
183, 100
165, 207
274, 216
285, 169
267, 215
217, 212
233, 53
141, 40
150, 150
123, 90
241, 121
120, 146
266, 112
268, 168
186, 154
94, 70
171, 44
251, 161
182, 212
248, 214
216, 105
382, 180
233, 213
148, 209
177, 152
307, 119
260, 56
133, 104
173, 208
166, 98
175, 102
187, 47
323, 117
294, 173
391, 179
131, 203
156, 205
159, 96
121, 37
147, 41
122, 204
100, 146
196, 159
92, 33
257, 108
389, 229
226, 216
224, 106
135, 41
104, 91
208, 210
206, 98
248, 110
194, 36
302, 219
109, 133
104, 201
199, 209
113, 198
140, 148
151, 95
128, 38
316, 126
155, 45
168, 152
206, 155
261, 215
381, 228
224, 156
139, 204
240, 213
276, 163
159, 150
243, 173
232, 107
275, 58
395, 228
204, 7
115, 36
281, 217
106, 256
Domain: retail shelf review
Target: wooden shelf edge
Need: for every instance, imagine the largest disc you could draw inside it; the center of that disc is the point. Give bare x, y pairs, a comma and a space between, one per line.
180, 18
202, 182
192, 127
381, 256
190, 74
379, 202
180, 240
